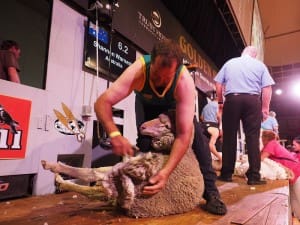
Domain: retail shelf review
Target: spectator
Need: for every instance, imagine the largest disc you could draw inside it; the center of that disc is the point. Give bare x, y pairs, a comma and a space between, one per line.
270, 123
9, 65
211, 125
296, 146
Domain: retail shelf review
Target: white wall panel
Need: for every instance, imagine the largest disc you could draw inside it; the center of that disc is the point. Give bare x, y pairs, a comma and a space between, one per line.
67, 83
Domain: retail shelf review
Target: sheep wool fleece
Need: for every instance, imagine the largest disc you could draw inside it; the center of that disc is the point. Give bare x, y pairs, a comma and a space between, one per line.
182, 192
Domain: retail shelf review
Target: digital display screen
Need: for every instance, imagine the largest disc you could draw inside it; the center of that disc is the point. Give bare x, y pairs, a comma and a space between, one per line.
115, 54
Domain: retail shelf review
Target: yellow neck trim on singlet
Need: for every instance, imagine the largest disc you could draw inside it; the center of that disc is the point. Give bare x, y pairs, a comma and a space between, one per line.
166, 88
150, 83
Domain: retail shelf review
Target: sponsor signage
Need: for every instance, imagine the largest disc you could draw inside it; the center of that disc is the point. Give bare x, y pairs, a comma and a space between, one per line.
204, 83
14, 125
145, 22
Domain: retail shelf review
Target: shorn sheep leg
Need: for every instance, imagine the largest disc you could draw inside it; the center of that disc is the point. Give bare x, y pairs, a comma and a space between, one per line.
95, 192
85, 174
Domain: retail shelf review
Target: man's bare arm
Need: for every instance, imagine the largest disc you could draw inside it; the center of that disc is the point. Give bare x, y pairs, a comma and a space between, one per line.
120, 89
266, 99
264, 155
13, 75
185, 112
219, 92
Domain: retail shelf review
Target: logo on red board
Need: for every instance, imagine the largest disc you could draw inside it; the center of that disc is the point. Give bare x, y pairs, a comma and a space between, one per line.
14, 125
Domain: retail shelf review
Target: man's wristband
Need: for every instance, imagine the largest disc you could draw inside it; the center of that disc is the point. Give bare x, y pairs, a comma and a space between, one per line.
114, 134
220, 103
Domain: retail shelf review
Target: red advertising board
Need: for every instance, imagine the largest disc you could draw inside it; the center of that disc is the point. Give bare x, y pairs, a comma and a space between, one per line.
14, 126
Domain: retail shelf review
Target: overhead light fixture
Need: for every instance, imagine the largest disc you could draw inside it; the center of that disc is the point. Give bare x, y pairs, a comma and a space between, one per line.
296, 89
278, 91
104, 10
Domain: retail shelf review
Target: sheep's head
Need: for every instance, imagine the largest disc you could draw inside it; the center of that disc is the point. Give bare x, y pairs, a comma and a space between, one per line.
160, 129
156, 127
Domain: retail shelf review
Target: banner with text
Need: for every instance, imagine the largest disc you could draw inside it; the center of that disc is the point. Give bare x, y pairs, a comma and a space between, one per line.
145, 22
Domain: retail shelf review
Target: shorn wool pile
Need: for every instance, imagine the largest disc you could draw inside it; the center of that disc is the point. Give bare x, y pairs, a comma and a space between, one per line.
269, 169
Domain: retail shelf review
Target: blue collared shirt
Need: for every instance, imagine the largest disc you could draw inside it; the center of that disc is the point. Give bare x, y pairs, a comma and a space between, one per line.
270, 124
244, 74
209, 112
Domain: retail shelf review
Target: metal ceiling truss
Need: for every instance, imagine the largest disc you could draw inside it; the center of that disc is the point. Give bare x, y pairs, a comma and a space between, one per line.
230, 23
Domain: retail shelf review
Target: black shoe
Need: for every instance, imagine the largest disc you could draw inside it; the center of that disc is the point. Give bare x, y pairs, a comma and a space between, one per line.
256, 182
225, 179
215, 206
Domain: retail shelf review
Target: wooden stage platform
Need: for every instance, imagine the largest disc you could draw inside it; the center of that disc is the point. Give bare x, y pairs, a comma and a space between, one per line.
249, 205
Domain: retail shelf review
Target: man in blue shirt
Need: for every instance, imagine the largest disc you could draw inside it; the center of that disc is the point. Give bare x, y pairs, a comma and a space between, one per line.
210, 123
247, 83
209, 112
270, 123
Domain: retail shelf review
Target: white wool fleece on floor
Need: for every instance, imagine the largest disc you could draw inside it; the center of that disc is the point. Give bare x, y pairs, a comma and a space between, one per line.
269, 169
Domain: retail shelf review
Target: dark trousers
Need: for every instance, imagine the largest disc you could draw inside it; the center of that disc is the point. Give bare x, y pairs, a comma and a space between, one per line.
246, 108
203, 155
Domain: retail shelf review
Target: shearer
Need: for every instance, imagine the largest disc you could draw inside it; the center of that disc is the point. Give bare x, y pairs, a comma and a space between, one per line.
161, 83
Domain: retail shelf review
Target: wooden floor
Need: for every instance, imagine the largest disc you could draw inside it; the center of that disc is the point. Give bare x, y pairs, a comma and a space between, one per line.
295, 221
257, 205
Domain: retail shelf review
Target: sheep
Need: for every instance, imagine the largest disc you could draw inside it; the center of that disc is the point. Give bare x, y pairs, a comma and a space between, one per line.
125, 181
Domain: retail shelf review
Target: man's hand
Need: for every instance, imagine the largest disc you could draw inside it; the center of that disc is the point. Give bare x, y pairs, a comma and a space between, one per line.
121, 146
265, 114
157, 182
220, 133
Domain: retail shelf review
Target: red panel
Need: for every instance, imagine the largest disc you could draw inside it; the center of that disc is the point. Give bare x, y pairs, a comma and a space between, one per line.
13, 145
